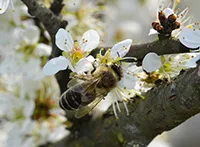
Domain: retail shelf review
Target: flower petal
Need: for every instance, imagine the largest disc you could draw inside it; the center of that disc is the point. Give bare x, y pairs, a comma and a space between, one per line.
153, 32
58, 133
168, 12
192, 63
128, 81
56, 64
121, 49
151, 62
4, 5
31, 34
90, 40
190, 36
43, 50
64, 40
84, 65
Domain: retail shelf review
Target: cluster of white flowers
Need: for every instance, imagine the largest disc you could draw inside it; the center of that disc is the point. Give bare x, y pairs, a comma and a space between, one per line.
84, 15
29, 111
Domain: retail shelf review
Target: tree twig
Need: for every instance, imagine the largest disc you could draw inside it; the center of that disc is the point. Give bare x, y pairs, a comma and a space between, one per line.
56, 6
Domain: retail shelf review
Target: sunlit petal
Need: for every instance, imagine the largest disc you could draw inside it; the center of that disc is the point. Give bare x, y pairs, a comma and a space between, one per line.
90, 40
84, 65
192, 63
168, 12
190, 36
121, 49
153, 32
56, 64
4, 5
64, 40
151, 62
128, 81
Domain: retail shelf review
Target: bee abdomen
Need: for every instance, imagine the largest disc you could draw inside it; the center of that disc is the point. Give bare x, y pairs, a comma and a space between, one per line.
70, 100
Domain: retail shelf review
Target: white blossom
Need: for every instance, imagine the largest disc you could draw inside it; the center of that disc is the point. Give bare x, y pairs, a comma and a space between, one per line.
190, 36
42, 50
72, 51
125, 87
168, 66
20, 134
4, 5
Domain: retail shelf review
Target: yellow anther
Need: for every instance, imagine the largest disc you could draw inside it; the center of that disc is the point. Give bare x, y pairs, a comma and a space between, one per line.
189, 26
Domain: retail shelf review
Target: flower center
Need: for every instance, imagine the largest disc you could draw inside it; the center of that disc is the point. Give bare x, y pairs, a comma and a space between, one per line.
106, 58
75, 54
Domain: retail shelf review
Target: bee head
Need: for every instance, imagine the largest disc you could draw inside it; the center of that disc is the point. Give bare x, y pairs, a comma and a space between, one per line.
117, 69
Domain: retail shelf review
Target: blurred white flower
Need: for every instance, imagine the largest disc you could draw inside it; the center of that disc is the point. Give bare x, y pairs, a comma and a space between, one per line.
16, 64
4, 5
190, 36
42, 50
5, 127
17, 73
59, 133
72, 51
50, 131
20, 134
84, 15
30, 34
14, 108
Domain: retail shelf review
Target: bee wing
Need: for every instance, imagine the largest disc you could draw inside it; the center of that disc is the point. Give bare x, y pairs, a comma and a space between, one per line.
84, 87
83, 110
73, 82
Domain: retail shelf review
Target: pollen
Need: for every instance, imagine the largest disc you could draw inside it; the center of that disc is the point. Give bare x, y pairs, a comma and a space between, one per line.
77, 54
189, 26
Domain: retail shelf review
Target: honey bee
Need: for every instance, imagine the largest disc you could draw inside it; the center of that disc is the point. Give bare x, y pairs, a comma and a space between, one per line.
87, 90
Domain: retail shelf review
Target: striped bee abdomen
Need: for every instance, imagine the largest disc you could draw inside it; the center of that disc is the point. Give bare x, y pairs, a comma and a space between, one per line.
71, 99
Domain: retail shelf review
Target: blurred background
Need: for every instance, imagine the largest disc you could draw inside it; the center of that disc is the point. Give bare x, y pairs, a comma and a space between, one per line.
29, 111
